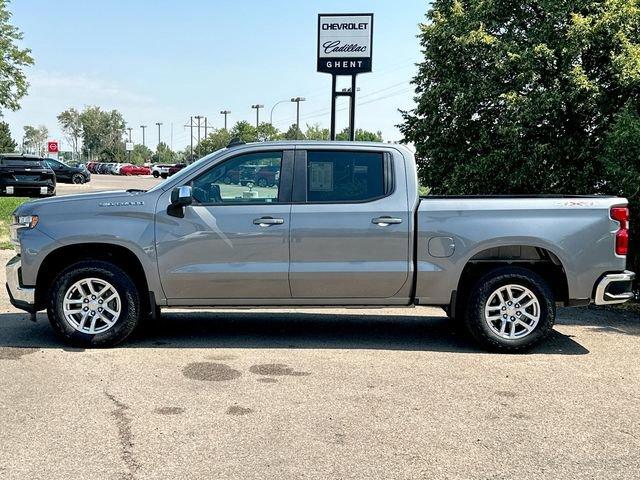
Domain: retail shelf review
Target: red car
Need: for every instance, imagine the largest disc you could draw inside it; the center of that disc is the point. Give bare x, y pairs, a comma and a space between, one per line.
135, 170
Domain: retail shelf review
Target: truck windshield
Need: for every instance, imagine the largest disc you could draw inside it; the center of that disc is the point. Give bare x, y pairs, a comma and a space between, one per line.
187, 170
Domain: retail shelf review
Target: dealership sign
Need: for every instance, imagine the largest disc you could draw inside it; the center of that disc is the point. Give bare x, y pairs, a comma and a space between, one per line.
344, 43
52, 147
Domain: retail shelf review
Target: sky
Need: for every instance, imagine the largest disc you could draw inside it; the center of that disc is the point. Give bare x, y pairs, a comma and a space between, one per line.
164, 61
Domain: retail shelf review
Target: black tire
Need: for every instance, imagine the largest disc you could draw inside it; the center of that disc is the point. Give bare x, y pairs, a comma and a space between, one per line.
227, 180
77, 179
124, 285
262, 182
156, 174
479, 295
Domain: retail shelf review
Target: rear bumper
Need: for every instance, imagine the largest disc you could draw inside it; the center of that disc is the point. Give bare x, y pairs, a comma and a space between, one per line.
614, 288
21, 297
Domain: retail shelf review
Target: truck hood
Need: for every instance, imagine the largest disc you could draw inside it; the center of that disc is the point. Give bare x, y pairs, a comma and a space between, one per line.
115, 198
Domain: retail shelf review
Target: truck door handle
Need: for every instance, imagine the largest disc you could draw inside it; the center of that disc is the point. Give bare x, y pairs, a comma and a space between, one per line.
386, 221
268, 221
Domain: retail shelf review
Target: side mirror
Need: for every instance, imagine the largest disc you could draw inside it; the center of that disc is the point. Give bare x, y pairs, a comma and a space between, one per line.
180, 197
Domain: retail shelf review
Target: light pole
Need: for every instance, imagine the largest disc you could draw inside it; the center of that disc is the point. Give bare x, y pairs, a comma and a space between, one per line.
143, 127
225, 113
129, 128
159, 124
257, 106
297, 100
198, 117
273, 108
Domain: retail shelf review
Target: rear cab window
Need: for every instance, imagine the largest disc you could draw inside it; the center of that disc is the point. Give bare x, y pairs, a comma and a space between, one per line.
335, 176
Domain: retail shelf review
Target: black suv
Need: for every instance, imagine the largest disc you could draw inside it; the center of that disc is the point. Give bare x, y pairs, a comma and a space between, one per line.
26, 175
68, 174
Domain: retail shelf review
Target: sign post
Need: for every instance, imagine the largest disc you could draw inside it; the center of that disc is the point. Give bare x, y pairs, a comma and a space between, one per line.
345, 42
53, 149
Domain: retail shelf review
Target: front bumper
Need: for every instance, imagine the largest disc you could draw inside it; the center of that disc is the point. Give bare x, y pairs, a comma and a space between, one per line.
614, 288
21, 297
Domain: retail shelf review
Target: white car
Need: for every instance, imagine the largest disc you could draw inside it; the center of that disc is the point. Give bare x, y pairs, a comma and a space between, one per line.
160, 170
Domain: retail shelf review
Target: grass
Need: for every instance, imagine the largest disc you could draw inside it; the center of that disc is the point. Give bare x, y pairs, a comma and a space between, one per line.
7, 206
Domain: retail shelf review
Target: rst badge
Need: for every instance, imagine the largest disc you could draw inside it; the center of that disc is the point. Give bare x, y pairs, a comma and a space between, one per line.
344, 43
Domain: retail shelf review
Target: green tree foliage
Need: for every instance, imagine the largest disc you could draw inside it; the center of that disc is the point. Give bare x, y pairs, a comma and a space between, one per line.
13, 59
294, 133
217, 139
35, 139
316, 132
528, 97
71, 126
141, 154
361, 135
244, 131
102, 133
6, 142
267, 133
164, 154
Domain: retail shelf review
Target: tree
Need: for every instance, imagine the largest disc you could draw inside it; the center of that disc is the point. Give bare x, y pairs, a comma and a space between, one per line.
267, 132
7, 144
71, 126
164, 154
244, 131
102, 133
13, 83
35, 139
217, 139
315, 132
141, 154
294, 133
361, 135
529, 97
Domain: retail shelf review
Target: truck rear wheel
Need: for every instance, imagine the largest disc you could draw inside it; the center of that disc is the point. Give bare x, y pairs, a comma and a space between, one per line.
510, 309
94, 304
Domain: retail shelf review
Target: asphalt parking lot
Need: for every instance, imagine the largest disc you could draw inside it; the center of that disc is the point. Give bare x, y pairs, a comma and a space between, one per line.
331, 393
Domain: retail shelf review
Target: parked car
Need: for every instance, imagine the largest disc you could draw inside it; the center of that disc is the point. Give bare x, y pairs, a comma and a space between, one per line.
267, 176
91, 166
159, 169
175, 168
68, 174
348, 229
26, 175
117, 168
135, 170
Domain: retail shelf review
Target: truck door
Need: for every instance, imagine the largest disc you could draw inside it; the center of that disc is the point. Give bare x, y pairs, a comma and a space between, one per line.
233, 242
349, 224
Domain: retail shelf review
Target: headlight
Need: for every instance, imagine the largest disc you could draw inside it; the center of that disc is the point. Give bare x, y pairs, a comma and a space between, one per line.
21, 222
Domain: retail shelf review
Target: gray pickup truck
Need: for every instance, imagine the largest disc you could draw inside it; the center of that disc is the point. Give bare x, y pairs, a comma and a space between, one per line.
336, 224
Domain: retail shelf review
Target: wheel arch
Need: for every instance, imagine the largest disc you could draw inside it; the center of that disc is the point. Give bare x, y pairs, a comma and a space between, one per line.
64, 256
540, 260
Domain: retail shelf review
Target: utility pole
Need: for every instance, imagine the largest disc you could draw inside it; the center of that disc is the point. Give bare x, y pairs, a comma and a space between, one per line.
143, 140
257, 107
129, 128
159, 124
297, 100
199, 117
191, 137
205, 128
225, 113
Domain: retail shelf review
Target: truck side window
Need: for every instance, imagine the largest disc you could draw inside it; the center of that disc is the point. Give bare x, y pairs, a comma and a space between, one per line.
334, 176
250, 178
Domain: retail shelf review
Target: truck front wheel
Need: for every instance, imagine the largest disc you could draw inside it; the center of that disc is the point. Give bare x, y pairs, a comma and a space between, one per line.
510, 309
94, 304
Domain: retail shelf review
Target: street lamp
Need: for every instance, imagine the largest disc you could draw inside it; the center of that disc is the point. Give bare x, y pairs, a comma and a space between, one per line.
159, 124
297, 100
143, 142
225, 113
257, 106
273, 108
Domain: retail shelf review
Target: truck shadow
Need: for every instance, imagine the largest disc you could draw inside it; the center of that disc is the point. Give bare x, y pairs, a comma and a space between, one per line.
304, 330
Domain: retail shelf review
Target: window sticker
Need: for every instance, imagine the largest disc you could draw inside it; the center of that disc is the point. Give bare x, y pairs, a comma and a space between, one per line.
321, 176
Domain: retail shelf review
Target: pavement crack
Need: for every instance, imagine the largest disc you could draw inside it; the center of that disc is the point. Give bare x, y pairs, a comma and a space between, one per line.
125, 436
